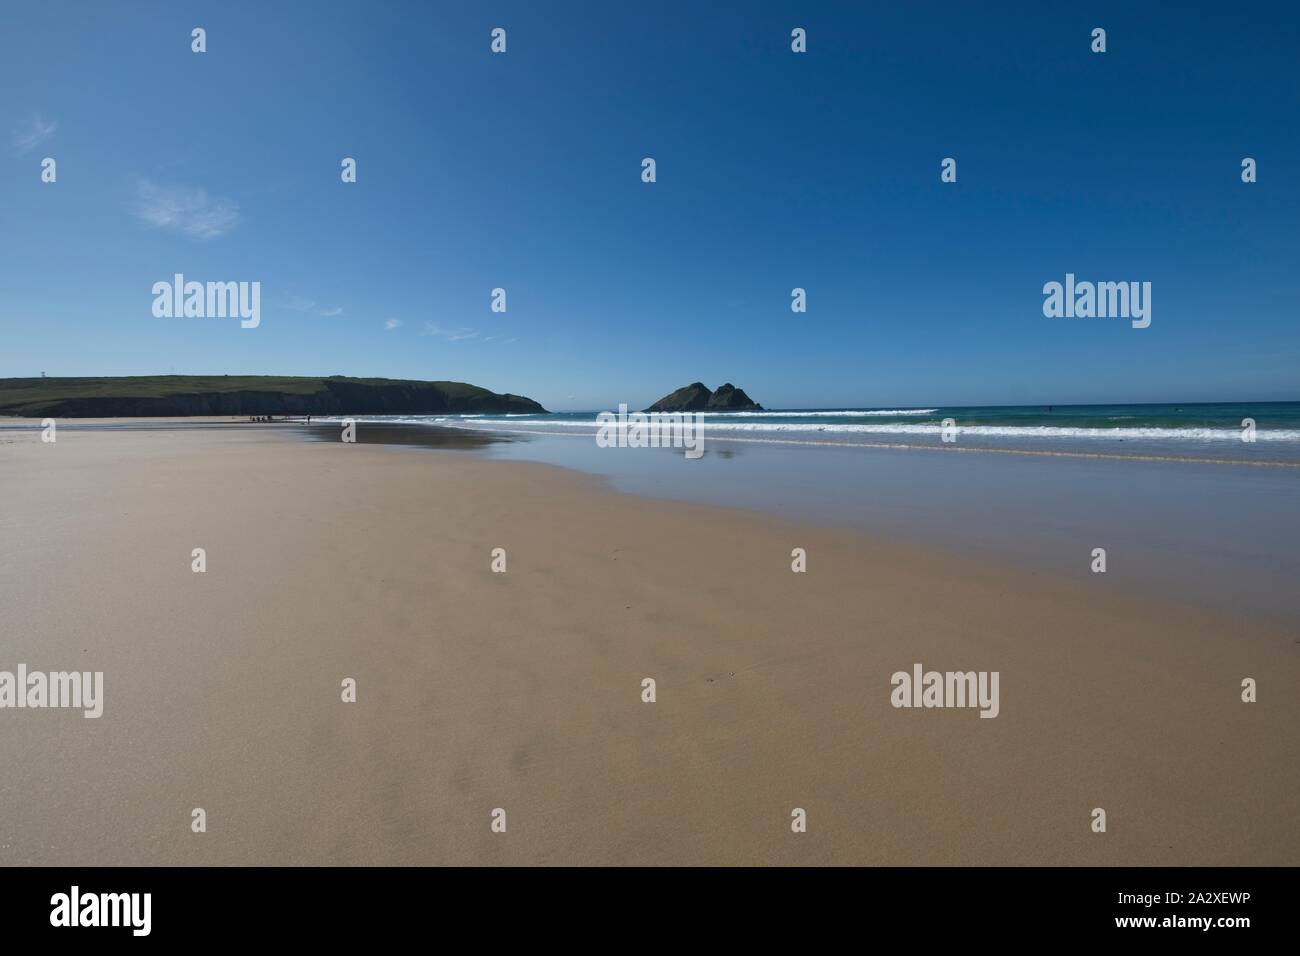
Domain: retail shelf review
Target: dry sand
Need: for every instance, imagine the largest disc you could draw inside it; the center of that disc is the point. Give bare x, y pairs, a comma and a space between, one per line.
523, 690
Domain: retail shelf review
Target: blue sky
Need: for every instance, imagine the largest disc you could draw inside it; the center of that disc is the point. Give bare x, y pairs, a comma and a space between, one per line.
775, 170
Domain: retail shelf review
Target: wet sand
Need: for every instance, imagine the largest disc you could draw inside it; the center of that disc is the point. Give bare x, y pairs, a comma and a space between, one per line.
523, 690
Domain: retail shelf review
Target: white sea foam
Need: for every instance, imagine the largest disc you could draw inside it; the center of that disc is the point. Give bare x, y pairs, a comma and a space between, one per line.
990, 431
1017, 431
871, 413
724, 424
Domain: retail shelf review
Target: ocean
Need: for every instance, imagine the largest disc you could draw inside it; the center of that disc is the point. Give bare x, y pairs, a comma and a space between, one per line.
1210, 432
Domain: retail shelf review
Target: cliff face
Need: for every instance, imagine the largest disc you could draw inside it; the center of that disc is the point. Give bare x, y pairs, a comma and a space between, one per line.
696, 397
253, 395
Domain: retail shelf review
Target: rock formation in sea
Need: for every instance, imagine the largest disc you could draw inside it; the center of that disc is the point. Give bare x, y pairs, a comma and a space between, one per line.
728, 398
697, 397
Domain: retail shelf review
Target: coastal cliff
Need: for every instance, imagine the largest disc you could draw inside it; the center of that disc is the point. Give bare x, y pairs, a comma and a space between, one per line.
181, 395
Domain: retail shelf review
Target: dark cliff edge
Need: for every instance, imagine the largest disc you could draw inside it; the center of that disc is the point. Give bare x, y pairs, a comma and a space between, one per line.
181, 395
697, 397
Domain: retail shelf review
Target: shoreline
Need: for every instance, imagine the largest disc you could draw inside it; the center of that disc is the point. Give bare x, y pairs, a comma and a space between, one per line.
523, 690
11, 422
1200, 559
910, 446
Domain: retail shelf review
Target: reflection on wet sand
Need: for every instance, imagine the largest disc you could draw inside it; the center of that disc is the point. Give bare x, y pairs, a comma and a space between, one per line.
425, 436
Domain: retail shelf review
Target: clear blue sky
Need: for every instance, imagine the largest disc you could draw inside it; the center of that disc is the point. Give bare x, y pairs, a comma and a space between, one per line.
775, 170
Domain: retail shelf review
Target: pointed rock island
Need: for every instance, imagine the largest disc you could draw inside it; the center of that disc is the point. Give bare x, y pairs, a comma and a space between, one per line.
697, 397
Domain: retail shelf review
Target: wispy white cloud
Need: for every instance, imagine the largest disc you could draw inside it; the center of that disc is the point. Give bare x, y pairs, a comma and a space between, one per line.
392, 324
189, 211
451, 335
34, 132
298, 303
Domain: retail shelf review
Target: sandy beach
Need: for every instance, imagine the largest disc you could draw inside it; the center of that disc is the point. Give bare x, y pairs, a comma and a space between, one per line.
523, 690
